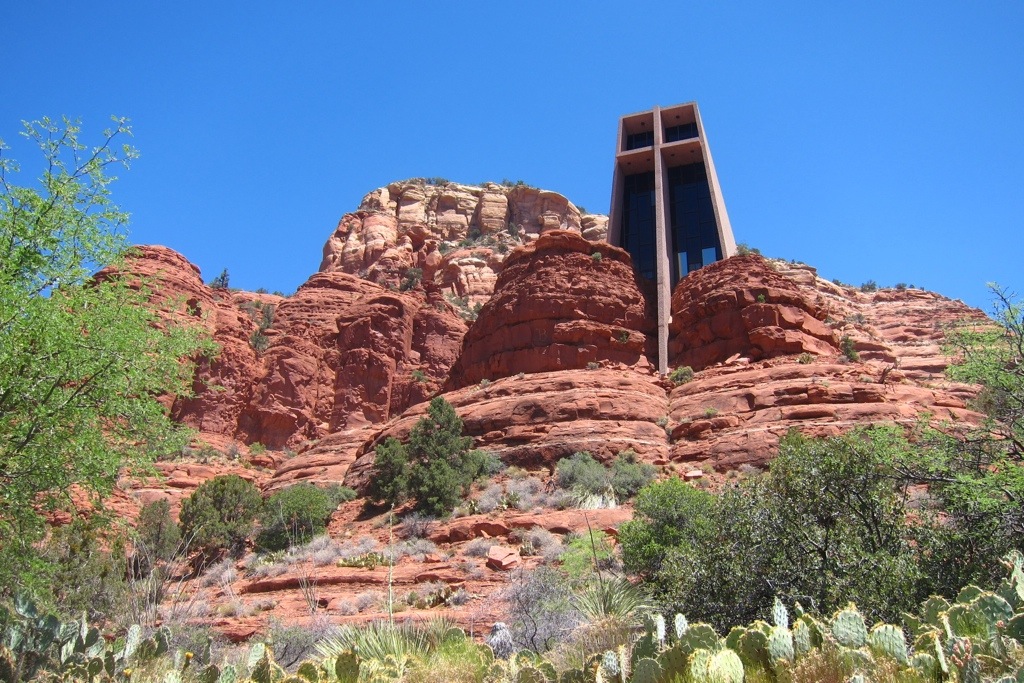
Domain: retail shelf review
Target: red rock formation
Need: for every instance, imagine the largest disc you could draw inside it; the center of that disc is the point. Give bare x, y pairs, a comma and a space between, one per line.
743, 306
340, 353
560, 303
414, 224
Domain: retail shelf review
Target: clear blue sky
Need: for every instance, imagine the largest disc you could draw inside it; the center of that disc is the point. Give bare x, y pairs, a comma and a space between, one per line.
873, 140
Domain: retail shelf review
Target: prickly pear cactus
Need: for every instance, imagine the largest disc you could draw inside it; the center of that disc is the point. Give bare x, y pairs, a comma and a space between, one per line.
646, 671
673, 662
968, 593
888, 640
346, 667
699, 660
780, 645
610, 665
926, 665
802, 642
753, 649
994, 607
932, 609
780, 615
229, 674
308, 671
1015, 628
659, 629
681, 625
725, 667
699, 636
848, 627
531, 674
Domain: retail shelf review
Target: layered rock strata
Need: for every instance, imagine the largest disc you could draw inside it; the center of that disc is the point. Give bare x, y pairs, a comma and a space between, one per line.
456, 235
561, 303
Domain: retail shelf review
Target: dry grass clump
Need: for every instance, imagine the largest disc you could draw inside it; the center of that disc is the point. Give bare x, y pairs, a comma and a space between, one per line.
479, 547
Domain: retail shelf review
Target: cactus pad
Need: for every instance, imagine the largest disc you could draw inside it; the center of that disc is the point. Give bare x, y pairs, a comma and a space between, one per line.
886, 639
848, 627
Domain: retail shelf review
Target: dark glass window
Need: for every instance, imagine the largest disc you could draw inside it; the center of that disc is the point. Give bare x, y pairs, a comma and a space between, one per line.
681, 132
638, 140
639, 222
692, 220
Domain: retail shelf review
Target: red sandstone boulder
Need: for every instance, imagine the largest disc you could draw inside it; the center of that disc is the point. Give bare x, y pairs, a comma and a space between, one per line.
560, 303
743, 306
502, 558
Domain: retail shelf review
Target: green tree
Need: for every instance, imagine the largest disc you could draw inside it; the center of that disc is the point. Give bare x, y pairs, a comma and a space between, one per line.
827, 524
220, 513
975, 476
158, 535
82, 360
294, 515
435, 469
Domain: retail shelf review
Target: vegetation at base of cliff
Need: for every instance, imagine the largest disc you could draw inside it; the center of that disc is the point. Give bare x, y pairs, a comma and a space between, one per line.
603, 630
434, 469
81, 360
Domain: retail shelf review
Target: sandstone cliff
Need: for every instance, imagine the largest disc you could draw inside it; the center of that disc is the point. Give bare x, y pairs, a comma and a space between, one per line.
457, 235
558, 360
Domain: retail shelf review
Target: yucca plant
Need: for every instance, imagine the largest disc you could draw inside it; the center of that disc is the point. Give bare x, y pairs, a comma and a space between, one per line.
390, 650
610, 599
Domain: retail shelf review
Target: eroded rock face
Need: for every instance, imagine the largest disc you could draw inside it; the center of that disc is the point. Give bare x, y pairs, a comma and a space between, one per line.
560, 303
535, 420
339, 354
457, 235
743, 306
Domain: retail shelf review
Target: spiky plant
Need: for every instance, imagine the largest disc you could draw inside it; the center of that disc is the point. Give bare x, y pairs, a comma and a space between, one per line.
610, 599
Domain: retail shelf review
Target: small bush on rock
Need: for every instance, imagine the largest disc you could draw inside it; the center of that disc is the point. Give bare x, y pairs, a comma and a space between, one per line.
681, 375
294, 515
220, 513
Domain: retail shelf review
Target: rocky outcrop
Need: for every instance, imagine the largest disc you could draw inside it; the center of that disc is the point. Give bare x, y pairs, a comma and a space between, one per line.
743, 306
339, 354
535, 420
456, 235
560, 303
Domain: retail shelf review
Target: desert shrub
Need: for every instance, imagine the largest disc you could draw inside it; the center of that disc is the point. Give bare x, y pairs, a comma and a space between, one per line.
85, 569
539, 608
157, 533
256, 448
523, 494
294, 643
805, 358
390, 480
294, 515
478, 547
340, 494
416, 548
848, 348
411, 278
544, 543
586, 554
681, 375
581, 472
490, 498
416, 525
629, 475
744, 249
869, 286
826, 525
220, 574
435, 469
220, 513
